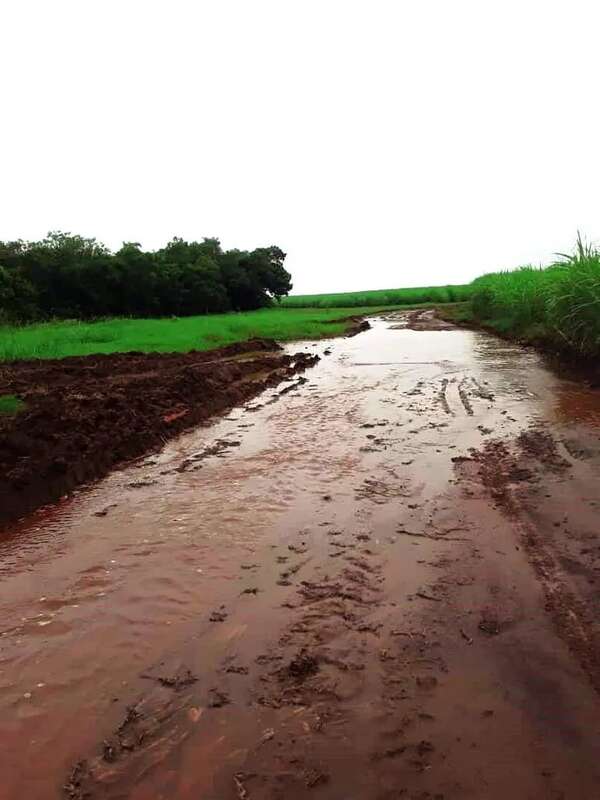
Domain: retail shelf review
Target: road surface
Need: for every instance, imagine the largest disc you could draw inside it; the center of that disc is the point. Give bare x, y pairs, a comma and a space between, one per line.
381, 584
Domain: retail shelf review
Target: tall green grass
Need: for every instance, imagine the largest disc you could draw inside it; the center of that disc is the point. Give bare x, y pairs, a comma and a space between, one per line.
74, 338
380, 297
558, 305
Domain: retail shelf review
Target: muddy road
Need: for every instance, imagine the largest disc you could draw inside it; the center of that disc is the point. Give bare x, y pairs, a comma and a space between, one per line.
383, 583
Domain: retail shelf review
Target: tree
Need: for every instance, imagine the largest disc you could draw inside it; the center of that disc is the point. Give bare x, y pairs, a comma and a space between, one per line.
66, 275
268, 261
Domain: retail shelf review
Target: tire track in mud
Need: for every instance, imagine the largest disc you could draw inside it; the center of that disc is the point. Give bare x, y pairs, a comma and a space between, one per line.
506, 470
464, 397
467, 388
442, 398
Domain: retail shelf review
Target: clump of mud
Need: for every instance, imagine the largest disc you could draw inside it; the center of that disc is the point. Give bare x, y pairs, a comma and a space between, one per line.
359, 327
423, 319
302, 666
540, 445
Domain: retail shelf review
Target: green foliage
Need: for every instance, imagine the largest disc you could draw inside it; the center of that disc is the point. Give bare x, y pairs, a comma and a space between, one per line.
70, 338
67, 277
382, 297
559, 305
10, 404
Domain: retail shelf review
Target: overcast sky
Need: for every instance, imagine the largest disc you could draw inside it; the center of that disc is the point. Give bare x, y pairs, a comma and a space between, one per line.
380, 143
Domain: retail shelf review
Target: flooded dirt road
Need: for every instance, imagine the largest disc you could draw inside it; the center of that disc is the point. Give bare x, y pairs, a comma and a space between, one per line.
383, 583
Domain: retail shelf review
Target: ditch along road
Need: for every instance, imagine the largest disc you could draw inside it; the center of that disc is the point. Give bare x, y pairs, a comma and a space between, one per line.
384, 583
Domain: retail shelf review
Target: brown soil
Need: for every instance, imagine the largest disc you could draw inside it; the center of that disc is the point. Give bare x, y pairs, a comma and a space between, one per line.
427, 319
85, 415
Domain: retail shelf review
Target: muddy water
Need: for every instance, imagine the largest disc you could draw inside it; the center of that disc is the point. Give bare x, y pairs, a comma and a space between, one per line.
182, 558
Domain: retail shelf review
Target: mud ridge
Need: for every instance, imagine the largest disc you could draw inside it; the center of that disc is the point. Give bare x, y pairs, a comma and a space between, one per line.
85, 415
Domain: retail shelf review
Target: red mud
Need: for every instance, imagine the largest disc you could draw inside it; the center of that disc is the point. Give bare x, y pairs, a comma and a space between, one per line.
85, 415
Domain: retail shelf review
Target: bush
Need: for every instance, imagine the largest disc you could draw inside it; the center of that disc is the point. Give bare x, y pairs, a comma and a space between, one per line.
560, 303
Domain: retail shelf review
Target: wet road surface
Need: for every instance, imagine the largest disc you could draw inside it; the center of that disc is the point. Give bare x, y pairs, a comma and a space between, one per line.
381, 584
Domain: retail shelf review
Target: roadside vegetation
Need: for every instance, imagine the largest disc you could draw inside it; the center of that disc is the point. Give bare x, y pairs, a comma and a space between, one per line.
380, 297
70, 277
67, 295
556, 307
74, 338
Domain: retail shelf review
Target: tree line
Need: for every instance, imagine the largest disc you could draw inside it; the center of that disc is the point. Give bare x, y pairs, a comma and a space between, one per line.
69, 276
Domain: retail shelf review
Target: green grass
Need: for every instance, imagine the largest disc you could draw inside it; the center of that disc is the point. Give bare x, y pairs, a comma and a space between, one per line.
380, 297
558, 306
73, 338
10, 404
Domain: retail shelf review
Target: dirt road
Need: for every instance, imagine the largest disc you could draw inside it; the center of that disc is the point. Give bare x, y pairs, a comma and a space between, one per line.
380, 584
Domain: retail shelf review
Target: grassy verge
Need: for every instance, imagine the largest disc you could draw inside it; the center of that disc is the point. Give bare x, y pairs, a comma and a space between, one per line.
10, 404
383, 297
73, 338
557, 307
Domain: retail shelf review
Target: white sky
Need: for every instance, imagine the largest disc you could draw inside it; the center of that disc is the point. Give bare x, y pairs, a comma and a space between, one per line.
380, 143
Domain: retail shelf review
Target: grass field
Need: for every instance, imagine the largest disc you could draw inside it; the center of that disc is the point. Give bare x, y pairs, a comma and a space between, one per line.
73, 338
380, 297
558, 306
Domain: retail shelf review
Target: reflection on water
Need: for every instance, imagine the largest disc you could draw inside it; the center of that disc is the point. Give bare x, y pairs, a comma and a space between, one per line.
563, 392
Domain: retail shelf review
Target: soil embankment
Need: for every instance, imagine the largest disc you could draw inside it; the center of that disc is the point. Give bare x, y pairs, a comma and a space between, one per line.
84, 415
384, 585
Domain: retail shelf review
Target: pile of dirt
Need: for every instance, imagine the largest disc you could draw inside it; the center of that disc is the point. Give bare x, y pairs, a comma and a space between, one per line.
423, 319
359, 326
84, 415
